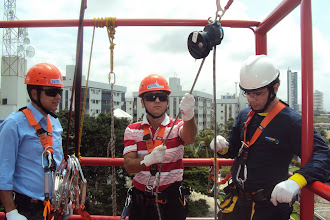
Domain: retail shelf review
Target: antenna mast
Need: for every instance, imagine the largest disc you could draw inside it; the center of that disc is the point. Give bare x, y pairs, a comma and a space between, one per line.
13, 44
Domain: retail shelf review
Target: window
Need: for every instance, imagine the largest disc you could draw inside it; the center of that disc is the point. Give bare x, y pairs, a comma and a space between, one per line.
4, 101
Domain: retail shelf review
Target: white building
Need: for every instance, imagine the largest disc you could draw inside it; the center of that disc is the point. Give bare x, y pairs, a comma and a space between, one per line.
292, 87
318, 101
13, 94
229, 106
98, 95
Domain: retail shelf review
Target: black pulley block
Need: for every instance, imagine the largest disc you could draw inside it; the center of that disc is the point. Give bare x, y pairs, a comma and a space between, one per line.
200, 43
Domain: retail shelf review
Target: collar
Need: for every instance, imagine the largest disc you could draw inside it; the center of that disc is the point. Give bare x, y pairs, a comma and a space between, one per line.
37, 115
165, 122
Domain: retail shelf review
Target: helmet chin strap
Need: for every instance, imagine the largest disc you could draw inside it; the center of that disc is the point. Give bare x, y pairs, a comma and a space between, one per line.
38, 103
153, 116
271, 97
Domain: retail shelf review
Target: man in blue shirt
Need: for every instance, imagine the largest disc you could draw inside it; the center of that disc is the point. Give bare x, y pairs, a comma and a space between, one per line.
23, 156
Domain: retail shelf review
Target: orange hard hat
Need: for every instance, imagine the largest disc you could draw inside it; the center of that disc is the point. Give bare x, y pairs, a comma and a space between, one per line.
44, 74
154, 82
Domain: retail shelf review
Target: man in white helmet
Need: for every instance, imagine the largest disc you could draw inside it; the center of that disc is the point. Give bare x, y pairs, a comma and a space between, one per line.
263, 141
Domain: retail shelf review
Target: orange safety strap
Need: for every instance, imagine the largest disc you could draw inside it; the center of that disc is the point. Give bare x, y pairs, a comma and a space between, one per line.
159, 139
227, 177
212, 171
46, 140
279, 106
84, 214
48, 214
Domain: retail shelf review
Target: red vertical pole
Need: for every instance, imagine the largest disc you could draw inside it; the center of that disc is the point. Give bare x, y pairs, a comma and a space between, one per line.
307, 197
261, 43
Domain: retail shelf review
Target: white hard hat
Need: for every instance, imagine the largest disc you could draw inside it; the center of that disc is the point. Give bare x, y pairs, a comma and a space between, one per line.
257, 72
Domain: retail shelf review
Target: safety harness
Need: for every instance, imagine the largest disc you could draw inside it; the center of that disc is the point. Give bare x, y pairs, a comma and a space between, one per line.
46, 139
149, 189
246, 144
151, 144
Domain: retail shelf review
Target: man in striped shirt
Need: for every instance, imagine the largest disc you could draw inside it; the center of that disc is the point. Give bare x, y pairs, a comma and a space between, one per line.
145, 154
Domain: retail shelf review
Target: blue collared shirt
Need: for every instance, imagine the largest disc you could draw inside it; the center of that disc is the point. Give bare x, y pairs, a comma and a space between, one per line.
21, 167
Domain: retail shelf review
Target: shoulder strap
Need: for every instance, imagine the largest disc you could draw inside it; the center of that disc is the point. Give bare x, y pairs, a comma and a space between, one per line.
278, 107
46, 140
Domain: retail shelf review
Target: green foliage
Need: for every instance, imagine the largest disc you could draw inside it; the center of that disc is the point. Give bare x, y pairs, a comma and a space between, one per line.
198, 208
96, 134
295, 163
202, 144
196, 178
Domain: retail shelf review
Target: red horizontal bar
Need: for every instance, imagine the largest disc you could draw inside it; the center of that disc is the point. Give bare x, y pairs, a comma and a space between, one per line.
320, 189
277, 15
188, 162
126, 22
102, 217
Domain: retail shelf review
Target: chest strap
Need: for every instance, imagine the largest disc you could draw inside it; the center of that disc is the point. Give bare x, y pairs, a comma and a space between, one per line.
46, 137
151, 144
148, 138
278, 107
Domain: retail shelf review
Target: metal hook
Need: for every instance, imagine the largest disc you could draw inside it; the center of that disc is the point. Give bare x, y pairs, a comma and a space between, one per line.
112, 78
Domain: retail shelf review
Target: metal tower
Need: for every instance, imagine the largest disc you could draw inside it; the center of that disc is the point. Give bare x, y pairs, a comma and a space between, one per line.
13, 63
13, 46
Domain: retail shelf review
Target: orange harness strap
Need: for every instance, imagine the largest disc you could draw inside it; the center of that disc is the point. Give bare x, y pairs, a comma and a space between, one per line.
46, 140
148, 140
278, 107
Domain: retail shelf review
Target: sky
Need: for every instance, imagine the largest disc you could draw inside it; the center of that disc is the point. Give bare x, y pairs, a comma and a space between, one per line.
140, 51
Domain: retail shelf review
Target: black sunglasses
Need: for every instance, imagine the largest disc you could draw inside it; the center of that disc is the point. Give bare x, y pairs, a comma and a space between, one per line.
151, 97
53, 92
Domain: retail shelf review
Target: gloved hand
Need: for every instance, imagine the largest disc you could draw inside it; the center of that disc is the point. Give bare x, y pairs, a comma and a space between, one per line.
14, 215
156, 156
221, 143
69, 211
187, 105
284, 192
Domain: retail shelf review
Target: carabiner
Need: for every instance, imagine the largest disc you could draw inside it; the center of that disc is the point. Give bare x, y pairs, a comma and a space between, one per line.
112, 80
48, 156
238, 179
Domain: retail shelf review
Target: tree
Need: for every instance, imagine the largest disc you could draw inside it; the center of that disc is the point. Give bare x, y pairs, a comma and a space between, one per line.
94, 142
202, 144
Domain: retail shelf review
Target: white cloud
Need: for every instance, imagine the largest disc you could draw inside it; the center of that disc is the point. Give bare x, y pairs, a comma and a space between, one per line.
143, 50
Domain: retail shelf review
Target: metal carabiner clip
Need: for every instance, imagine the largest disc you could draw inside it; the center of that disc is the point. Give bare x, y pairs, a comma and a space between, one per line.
148, 188
238, 179
48, 156
112, 78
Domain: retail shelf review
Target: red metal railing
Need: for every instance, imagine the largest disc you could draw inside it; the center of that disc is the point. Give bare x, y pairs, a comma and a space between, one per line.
317, 187
307, 197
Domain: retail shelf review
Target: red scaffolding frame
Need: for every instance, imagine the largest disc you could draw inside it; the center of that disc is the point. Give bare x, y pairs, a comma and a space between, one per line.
260, 31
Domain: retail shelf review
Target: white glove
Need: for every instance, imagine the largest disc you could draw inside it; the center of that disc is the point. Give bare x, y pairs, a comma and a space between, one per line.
221, 144
69, 211
187, 105
14, 215
156, 156
284, 192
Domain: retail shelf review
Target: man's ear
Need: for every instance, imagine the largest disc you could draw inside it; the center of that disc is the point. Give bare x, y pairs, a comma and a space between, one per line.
34, 94
276, 86
142, 102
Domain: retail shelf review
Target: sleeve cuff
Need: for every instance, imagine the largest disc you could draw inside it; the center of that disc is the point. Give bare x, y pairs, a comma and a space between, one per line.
300, 179
225, 151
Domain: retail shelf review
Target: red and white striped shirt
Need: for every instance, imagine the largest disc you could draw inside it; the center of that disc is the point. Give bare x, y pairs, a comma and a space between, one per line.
172, 166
